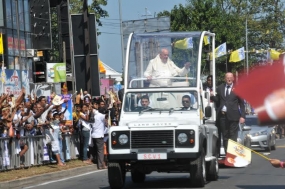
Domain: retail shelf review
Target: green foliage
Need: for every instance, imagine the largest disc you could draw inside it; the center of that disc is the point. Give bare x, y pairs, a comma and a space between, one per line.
76, 6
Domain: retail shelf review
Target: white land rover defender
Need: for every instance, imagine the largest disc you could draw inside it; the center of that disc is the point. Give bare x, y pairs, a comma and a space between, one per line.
167, 121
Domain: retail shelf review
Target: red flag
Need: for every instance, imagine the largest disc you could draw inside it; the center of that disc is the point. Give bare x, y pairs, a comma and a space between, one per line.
264, 89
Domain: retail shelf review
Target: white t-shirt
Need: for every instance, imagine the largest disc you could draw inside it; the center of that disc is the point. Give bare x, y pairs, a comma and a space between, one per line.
99, 126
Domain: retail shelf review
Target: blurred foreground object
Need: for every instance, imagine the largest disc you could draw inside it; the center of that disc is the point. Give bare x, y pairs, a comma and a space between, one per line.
264, 88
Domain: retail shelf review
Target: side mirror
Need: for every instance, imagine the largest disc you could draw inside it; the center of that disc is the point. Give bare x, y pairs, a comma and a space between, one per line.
246, 128
208, 111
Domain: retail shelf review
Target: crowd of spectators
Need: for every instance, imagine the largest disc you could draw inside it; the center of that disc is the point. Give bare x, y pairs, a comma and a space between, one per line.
29, 115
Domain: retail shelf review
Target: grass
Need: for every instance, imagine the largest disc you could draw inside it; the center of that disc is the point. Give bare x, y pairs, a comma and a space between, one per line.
37, 170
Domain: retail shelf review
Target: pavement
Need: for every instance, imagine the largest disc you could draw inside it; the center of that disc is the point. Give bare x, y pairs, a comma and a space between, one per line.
19, 183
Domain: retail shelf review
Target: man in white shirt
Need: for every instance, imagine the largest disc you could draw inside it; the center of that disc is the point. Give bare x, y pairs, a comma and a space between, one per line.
98, 136
163, 66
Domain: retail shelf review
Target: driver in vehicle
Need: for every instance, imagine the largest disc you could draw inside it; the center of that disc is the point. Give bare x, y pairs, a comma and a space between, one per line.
163, 66
145, 102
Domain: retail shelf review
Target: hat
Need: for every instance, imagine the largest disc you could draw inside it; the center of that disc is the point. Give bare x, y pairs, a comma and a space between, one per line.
57, 100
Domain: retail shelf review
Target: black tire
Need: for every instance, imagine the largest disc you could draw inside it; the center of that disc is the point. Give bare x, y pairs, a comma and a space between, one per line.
212, 169
273, 147
269, 146
198, 171
116, 175
137, 176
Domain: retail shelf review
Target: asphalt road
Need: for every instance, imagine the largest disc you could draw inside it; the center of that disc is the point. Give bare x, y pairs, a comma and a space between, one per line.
258, 175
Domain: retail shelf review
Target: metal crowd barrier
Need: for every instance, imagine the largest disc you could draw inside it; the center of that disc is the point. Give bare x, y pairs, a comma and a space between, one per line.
38, 152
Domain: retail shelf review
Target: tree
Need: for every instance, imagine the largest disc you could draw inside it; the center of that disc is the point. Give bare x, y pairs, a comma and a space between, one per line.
76, 6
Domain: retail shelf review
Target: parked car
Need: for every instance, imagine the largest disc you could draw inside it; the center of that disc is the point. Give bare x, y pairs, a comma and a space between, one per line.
262, 137
243, 138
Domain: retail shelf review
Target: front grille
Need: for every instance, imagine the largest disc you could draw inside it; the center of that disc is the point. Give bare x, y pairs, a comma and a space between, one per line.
152, 139
254, 143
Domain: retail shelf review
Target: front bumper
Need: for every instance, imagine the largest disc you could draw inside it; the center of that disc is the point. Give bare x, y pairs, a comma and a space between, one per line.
260, 141
170, 156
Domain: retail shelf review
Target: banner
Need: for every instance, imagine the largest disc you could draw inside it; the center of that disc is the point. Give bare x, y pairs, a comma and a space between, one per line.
12, 81
68, 113
237, 155
105, 86
56, 72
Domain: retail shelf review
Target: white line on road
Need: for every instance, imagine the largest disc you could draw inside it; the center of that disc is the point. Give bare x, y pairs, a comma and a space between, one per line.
67, 178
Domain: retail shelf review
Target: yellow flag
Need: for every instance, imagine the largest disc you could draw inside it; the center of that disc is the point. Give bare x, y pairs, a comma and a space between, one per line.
1, 44
206, 40
274, 55
101, 67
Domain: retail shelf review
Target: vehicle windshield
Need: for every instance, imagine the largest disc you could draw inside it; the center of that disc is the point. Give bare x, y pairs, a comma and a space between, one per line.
161, 101
163, 60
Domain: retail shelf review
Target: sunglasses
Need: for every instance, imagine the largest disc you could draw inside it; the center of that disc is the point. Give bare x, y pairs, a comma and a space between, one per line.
185, 101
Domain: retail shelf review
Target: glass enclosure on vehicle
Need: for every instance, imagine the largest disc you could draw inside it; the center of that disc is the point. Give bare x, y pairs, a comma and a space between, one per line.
161, 101
164, 60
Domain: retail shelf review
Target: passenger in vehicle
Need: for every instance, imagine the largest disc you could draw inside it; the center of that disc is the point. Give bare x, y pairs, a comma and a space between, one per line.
186, 102
163, 66
208, 85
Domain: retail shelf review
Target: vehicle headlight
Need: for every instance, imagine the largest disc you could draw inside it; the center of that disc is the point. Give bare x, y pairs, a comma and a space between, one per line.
123, 139
263, 132
182, 138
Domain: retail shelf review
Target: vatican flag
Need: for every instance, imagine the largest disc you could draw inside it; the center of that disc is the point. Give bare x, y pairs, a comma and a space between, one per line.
237, 55
186, 43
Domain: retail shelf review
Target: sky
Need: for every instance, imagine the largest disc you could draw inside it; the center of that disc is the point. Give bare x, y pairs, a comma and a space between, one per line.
110, 40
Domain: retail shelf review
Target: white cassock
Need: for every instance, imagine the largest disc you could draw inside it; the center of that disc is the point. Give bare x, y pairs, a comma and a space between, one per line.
156, 68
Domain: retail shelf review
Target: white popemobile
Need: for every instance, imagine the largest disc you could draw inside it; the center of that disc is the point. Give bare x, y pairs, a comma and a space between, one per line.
167, 135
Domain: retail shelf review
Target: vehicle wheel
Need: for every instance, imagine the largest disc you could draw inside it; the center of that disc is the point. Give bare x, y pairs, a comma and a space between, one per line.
269, 146
273, 147
198, 171
137, 176
212, 169
116, 175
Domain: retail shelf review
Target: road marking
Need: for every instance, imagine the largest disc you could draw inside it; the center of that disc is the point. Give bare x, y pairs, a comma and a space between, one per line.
280, 146
67, 178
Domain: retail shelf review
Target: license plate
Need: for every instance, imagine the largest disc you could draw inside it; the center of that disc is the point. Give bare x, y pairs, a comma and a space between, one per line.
152, 156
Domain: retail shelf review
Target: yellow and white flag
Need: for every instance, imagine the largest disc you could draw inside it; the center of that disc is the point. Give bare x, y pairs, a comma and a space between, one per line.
237, 55
186, 43
237, 155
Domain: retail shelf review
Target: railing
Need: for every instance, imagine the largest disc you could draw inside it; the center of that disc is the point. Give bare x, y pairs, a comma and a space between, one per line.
38, 152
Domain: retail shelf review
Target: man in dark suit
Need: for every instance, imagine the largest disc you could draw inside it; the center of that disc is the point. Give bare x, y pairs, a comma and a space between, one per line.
230, 110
